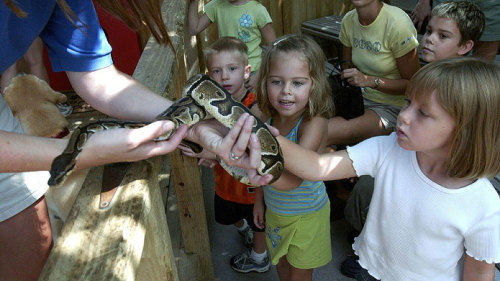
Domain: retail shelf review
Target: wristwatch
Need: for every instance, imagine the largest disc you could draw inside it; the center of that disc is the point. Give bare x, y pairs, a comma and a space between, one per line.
377, 82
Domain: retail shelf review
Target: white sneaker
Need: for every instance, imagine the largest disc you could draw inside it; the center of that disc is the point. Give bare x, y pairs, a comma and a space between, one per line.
244, 263
247, 235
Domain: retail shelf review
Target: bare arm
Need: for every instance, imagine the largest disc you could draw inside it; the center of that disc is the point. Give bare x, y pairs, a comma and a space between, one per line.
421, 11
18, 154
268, 34
117, 94
110, 146
304, 162
407, 66
312, 166
196, 23
475, 270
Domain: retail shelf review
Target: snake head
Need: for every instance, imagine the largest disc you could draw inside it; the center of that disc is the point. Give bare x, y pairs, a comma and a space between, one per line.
60, 168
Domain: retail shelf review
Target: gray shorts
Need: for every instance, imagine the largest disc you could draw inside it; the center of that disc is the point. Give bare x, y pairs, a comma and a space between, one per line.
388, 114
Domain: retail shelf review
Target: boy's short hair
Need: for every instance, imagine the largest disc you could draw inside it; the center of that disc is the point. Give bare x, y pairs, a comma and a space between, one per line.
468, 17
468, 89
227, 44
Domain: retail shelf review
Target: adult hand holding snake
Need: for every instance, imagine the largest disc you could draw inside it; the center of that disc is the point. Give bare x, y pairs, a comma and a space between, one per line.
129, 145
240, 142
235, 141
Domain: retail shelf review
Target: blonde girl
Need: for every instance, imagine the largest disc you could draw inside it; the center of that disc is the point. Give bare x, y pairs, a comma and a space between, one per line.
294, 94
434, 214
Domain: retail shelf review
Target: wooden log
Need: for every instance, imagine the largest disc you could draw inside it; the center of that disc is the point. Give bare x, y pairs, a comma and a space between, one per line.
107, 244
157, 260
189, 193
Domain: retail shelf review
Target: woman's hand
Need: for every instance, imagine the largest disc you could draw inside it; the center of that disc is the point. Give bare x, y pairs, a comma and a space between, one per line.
218, 140
421, 11
355, 77
232, 146
129, 145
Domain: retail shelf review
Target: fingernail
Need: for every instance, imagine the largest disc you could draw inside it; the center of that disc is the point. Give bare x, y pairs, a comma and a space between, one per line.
165, 126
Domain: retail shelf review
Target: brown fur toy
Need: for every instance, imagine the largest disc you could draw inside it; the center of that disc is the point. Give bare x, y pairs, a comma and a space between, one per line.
33, 103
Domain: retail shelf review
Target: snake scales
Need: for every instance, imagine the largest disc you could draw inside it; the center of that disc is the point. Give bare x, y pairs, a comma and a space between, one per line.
202, 99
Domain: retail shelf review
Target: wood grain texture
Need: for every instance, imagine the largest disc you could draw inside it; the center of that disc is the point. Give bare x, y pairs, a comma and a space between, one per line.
189, 193
107, 244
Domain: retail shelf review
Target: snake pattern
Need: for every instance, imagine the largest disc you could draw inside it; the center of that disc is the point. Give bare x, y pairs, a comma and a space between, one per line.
202, 99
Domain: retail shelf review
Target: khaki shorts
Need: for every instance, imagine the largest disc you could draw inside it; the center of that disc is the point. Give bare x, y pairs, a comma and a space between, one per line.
303, 239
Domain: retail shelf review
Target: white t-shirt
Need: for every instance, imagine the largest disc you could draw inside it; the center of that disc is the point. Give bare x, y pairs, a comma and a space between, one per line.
18, 190
417, 229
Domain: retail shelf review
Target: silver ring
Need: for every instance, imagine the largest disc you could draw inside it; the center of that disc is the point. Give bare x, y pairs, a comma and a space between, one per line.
233, 157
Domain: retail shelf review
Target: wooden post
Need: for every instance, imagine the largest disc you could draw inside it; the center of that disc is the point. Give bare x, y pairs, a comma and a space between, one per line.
189, 193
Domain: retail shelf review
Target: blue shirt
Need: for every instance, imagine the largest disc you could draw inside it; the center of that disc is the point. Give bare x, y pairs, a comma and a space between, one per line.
70, 48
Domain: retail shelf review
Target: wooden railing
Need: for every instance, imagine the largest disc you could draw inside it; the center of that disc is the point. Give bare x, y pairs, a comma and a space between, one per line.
128, 238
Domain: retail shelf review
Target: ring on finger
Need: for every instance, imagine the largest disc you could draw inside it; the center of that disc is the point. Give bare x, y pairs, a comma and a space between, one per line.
233, 157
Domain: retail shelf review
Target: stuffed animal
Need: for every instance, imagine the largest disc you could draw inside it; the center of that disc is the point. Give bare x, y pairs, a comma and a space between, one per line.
33, 103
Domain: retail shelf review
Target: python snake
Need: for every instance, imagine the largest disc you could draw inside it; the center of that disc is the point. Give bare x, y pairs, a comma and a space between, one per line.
202, 99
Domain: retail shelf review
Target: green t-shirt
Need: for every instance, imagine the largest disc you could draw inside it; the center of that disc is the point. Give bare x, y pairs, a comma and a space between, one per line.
243, 22
376, 46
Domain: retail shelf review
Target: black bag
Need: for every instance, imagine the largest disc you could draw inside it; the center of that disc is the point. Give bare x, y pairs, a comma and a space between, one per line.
348, 99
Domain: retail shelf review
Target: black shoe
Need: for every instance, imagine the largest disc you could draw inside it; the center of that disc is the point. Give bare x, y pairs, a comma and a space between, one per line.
350, 267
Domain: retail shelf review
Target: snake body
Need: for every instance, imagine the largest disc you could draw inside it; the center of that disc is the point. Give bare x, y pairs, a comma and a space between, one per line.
202, 99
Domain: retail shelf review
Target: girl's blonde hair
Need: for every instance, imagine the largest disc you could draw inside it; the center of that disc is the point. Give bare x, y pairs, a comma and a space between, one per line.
320, 100
134, 13
469, 90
